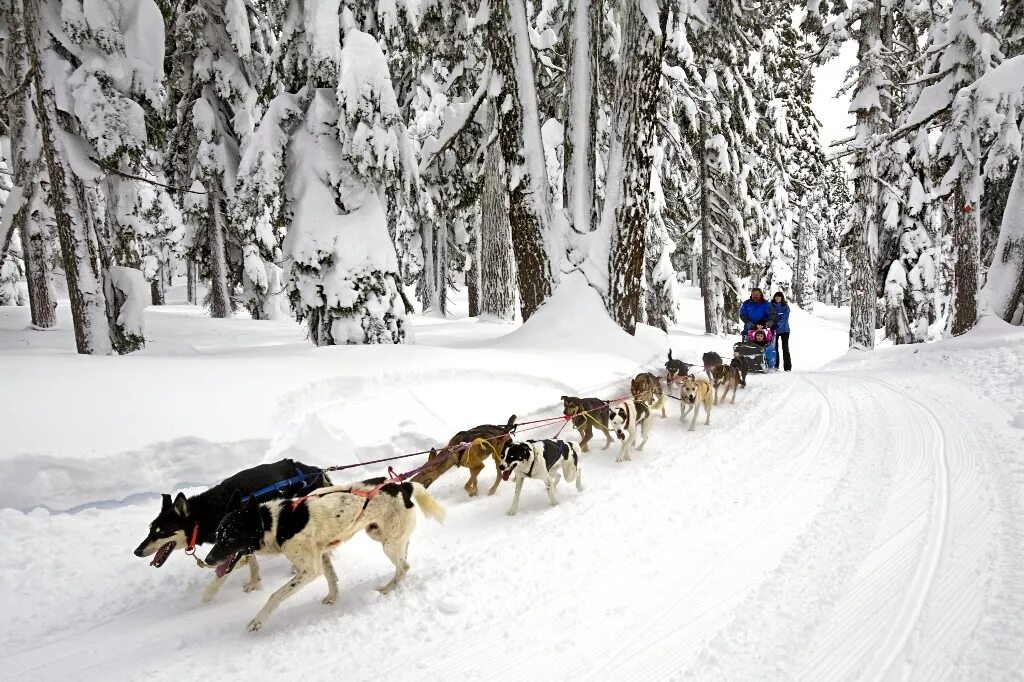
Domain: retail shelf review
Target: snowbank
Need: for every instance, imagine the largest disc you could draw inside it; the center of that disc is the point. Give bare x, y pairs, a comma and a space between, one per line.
575, 318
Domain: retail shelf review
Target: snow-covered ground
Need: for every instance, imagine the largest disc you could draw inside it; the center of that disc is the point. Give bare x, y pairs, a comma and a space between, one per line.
859, 518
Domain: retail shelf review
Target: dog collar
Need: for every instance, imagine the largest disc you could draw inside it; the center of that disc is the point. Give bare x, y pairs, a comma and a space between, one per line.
193, 540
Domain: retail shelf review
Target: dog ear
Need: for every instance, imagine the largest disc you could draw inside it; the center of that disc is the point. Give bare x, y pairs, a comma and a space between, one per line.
165, 502
181, 504
235, 501
251, 504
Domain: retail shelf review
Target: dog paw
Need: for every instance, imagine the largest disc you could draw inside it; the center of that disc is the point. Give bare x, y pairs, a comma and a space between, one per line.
511, 512
329, 600
255, 624
252, 586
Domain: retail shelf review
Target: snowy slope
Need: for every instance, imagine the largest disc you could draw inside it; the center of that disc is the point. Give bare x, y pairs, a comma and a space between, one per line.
862, 519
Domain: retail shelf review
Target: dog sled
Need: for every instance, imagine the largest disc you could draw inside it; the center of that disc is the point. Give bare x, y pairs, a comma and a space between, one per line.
756, 358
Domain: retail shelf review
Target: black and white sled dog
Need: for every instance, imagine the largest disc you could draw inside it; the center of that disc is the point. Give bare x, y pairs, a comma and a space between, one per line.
193, 520
307, 528
629, 419
544, 460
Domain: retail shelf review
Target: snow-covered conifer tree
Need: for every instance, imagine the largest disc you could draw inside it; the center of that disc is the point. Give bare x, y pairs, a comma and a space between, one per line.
25, 213
964, 51
220, 66
316, 166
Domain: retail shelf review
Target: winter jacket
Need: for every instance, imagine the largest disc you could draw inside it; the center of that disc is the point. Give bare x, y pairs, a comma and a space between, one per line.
781, 311
754, 313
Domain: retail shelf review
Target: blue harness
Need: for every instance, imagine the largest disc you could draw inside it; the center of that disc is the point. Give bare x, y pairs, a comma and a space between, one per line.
278, 486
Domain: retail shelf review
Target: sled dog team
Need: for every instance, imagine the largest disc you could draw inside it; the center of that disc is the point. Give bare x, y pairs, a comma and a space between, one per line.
303, 515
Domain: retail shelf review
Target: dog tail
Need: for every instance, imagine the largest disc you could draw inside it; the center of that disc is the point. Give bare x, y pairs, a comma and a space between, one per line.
510, 427
430, 507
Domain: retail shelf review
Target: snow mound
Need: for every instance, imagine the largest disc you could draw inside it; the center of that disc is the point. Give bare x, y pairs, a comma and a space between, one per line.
574, 318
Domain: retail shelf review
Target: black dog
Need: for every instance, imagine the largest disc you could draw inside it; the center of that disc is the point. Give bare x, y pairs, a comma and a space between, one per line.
187, 522
676, 368
740, 363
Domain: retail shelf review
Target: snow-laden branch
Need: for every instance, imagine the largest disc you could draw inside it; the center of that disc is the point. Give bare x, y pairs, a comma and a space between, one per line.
456, 124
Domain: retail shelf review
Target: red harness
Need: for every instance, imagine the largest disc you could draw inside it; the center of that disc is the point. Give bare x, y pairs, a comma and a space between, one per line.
366, 493
192, 541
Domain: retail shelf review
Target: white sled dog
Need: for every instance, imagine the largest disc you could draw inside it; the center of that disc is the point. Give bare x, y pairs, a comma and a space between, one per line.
695, 393
544, 460
307, 528
628, 420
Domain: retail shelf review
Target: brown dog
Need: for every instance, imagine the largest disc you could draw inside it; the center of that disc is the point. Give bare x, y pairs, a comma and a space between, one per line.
587, 413
470, 449
728, 376
647, 388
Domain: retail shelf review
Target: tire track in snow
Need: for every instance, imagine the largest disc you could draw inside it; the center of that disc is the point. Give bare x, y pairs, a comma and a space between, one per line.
768, 631
893, 645
648, 648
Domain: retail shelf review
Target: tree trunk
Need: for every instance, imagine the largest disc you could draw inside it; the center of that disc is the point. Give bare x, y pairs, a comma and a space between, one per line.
42, 304
584, 23
220, 293
473, 274
966, 259
519, 136
1004, 288
632, 135
708, 283
497, 279
866, 209
157, 289
31, 229
85, 290
191, 281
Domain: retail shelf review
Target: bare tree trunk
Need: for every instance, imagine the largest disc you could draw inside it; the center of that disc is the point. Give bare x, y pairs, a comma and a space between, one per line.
85, 290
473, 274
191, 281
866, 210
708, 282
37, 274
157, 288
1004, 288
220, 293
519, 137
584, 21
632, 135
967, 255
497, 278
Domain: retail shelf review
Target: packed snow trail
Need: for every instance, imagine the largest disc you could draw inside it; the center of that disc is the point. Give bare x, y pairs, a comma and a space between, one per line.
826, 526
864, 522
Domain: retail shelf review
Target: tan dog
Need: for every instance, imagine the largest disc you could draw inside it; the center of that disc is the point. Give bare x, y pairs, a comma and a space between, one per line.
470, 449
728, 376
647, 388
694, 393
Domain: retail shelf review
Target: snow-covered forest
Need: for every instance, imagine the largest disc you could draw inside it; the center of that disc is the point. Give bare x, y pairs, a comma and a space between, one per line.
350, 162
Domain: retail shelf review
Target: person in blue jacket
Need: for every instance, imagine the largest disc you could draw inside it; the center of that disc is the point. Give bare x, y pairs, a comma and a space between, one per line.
755, 312
781, 314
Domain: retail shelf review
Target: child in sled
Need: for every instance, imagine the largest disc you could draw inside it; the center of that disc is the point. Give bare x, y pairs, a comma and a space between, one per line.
764, 337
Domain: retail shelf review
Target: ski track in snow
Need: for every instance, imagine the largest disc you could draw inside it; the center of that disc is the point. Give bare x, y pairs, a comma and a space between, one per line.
881, 541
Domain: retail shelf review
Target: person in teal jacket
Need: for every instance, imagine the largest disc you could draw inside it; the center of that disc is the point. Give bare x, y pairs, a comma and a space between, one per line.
780, 310
756, 311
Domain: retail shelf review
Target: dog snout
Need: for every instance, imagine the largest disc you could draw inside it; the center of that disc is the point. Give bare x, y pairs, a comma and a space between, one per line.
140, 551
